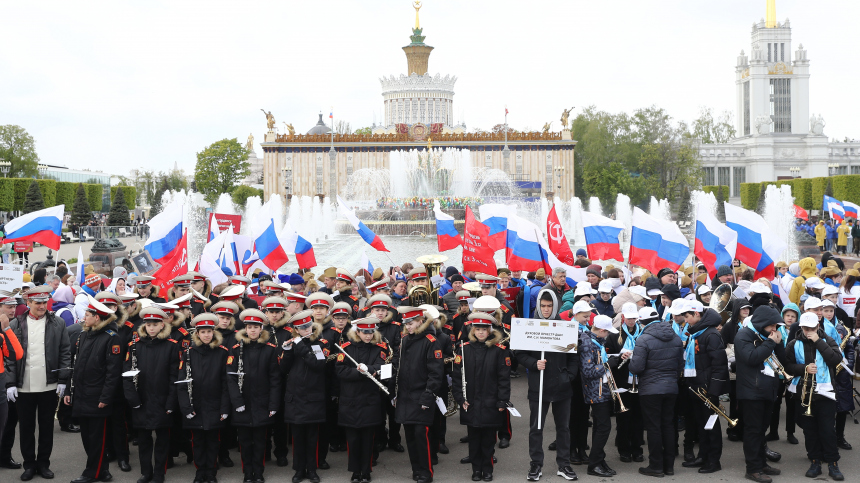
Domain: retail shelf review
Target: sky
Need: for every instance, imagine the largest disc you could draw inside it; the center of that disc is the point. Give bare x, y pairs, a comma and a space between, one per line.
119, 85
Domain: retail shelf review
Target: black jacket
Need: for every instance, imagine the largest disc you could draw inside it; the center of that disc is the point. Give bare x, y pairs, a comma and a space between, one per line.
155, 394
210, 397
97, 370
359, 396
614, 345
752, 348
331, 335
420, 374
58, 357
261, 384
828, 348
712, 370
488, 381
305, 395
353, 301
179, 332
658, 359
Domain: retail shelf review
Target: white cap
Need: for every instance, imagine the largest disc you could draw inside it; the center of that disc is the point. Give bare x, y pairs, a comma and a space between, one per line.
648, 313
581, 306
808, 320
695, 306
829, 290
679, 306
630, 311
703, 289
430, 311
812, 303
485, 303
605, 286
605, 323
655, 291
813, 282
758, 287
584, 288
827, 303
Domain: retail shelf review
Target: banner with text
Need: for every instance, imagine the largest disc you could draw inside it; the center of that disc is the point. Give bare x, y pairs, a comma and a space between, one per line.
11, 276
544, 335
224, 221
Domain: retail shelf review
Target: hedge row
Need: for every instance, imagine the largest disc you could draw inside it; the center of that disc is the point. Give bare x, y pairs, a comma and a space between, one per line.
128, 192
94, 196
14, 190
714, 190
808, 192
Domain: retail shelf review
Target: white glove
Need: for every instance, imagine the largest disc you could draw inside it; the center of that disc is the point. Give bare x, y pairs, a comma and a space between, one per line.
169, 411
240, 409
362, 367
189, 416
272, 413
61, 388
450, 381
223, 417
12, 393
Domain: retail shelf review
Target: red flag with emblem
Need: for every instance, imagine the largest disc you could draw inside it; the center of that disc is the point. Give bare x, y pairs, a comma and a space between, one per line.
178, 265
477, 254
557, 241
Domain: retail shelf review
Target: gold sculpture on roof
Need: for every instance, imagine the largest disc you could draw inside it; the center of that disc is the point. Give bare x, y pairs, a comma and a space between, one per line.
290, 129
417, 6
565, 115
270, 119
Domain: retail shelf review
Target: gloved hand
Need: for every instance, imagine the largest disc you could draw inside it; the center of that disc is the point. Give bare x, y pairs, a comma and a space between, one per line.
189, 416
272, 413
12, 393
223, 417
362, 367
61, 388
450, 381
240, 409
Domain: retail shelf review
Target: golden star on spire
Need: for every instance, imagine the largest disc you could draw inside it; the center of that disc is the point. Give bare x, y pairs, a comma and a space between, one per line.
417, 6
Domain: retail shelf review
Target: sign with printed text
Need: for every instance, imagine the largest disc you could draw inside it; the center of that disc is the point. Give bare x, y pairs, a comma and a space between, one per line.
224, 221
544, 335
23, 246
11, 276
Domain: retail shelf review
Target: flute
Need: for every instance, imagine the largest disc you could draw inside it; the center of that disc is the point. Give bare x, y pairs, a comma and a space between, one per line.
369, 375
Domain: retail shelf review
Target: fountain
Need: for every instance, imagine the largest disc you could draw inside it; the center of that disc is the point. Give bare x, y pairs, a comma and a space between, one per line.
779, 215
660, 209
576, 222
225, 204
252, 209
701, 199
624, 214
594, 206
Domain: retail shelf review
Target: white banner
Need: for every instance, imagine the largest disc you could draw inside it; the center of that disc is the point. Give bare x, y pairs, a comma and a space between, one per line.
11, 276
544, 335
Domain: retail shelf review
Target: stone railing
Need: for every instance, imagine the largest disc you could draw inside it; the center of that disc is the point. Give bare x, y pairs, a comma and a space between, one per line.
402, 137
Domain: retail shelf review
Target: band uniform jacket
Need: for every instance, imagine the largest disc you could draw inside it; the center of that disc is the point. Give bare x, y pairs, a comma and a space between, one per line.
304, 397
97, 370
488, 381
155, 394
261, 386
420, 375
331, 335
353, 301
359, 396
712, 366
595, 387
210, 397
58, 357
391, 327
179, 332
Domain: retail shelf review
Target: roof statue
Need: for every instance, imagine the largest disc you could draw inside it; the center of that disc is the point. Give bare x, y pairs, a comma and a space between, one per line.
270, 119
290, 129
249, 145
565, 115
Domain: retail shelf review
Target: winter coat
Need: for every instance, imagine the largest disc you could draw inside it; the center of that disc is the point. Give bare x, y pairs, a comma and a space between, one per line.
261, 386
730, 328
97, 370
353, 301
844, 383
488, 381
594, 389
603, 308
532, 292
712, 371
752, 348
658, 359
807, 269
67, 315
57, 351
305, 396
359, 396
155, 392
390, 328
820, 234
618, 302
420, 374
831, 232
179, 332
210, 397
828, 348
614, 345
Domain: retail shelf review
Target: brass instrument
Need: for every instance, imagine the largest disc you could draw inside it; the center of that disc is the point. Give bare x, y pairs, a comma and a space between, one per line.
777, 367
718, 409
418, 295
633, 389
433, 263
613, 387
807, 391
842, 345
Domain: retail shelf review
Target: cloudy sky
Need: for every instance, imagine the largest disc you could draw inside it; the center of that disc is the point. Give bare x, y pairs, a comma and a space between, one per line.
118, 85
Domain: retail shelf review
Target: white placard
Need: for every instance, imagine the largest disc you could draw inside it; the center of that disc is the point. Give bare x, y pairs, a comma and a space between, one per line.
317, 350
11, 276
385, 372
436, 280
712, 420
441, 405
514, 412
544, 335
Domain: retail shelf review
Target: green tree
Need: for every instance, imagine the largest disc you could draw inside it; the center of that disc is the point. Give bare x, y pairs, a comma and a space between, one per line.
33, 198
241, 194
363, 130
828, 191
18, 147
219, 167
155, 203
81, 212
712, 130
684, 205
721, 206
118, 210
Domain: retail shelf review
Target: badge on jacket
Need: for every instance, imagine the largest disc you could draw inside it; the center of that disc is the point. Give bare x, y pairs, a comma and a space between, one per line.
438, 354
340, 357
457, 359
381, 354
507, 361
229, 360
114, 349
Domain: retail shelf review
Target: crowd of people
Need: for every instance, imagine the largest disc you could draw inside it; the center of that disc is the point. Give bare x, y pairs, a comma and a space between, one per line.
832, 235
365, 362
419, 203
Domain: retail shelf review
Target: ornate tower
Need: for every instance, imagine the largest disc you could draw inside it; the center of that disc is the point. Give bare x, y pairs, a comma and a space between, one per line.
417, 52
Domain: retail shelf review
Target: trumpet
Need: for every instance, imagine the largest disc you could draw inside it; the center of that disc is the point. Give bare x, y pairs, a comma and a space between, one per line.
718, 409
614, 388
807, 392
777, 367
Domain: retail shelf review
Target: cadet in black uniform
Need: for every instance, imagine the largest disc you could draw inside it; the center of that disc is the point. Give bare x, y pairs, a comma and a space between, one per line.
389, 327
96, 372
143, 286
226, 313
280, 330
204, 400
359, 410
151, 393
344, 286
180, 440
333, 333
201, 287
246, 302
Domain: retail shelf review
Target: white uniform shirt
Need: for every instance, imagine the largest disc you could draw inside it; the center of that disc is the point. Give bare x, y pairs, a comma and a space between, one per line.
35, 376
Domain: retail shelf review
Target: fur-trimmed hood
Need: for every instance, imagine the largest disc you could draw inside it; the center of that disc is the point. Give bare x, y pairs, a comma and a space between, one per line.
178, 319
217, 339
495, 337
325, 322
101, 325
354, 337
421, 328
283, 321
242, 336
164, 334
316, 332
388, 317
132, 310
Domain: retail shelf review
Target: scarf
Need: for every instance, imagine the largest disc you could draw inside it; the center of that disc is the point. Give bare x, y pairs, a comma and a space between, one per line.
678, 330
630, 343
603, 356
822, 376
784, 334
830, 329
690, 354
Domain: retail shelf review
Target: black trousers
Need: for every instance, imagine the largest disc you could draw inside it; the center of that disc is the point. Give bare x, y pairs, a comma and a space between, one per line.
418, 445
180, 438
757, 414
306, 446
629, 426
561, 415
4, 411
153, 456
775, 413
94, 439
280, 435
578, 419
685, 406
710, 441
359, 448
506, 431
8, 439
601, 415
840, 424
819, 430
33, 408
118, 430
658, 414
333, 435
482, 446
438, 431
790, 412
252, 445
392, 437
229, 439
204, 445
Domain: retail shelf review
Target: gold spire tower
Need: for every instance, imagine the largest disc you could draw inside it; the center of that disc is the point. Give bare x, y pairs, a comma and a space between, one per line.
771, 14
417, 52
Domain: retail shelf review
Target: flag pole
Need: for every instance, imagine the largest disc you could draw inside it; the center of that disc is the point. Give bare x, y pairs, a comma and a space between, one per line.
540, 392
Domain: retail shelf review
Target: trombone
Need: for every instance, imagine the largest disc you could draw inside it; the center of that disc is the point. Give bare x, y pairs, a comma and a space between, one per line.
718, 409
613, 387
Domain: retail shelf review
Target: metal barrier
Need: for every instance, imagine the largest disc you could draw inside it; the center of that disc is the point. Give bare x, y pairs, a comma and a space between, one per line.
90, 233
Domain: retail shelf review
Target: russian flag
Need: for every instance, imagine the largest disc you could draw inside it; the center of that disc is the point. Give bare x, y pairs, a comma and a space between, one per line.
834, 206
267, 244
165, 232
365, 263
230, 261
43, 226
363, 231
495, 216
851, 209
758, 246
293, 242
656, 244
601, 237
716, 243
447, 237
528, 251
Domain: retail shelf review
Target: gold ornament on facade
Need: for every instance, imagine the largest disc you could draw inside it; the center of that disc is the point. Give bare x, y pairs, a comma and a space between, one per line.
270, 120
565, 115
291, 131
406, 137
745, 74
546, 127
780, 69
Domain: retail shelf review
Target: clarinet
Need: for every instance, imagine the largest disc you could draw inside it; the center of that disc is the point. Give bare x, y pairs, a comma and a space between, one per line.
241, 365
188, 376
72, 374
134, 359
463, 372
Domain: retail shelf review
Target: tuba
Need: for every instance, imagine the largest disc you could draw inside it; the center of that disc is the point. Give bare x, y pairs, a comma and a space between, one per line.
418, 295
474, 289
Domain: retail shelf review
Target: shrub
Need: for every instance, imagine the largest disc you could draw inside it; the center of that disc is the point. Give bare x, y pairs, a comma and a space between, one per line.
713, 189
48, 187
750, 193
128, 192
94, 196
66, 194
819, 186
7, 194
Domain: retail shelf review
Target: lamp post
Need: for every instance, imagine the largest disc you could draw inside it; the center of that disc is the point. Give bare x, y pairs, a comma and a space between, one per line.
795, 171
5, 166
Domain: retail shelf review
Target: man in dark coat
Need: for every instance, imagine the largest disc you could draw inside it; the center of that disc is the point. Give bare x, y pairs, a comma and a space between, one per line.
758, 386
389, 328
280, 330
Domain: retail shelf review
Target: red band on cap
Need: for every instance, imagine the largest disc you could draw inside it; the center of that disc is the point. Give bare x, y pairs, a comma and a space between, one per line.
168, 311
300, 300
464, 297
303, 321
203, 324
379, 303
345, 278
107, 300
365, 326
319, 302
340, 310
186, 303
143, 283
275, 305
419, 275
412, 314
252, 318
222, 310
157, 317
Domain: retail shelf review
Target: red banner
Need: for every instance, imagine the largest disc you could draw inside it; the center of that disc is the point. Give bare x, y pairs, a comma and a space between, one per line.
800, 213
557, 241
178, 265
477, 254
224, 222
23, 246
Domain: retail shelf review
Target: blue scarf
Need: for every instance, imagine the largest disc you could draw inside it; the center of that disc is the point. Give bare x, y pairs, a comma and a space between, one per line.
822, 376
784, 334
830, 329
690, 354
630, 343
603, 356
678, 330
